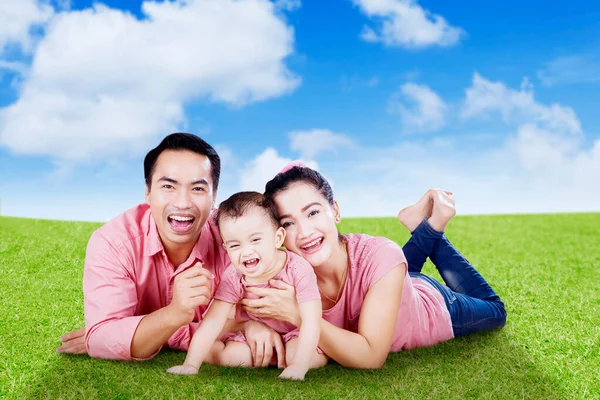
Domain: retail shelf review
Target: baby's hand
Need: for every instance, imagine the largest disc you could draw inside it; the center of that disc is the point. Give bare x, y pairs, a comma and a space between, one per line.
184, 369
294, 373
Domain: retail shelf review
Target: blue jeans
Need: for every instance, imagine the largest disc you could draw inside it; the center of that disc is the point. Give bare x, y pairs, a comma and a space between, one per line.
473, 304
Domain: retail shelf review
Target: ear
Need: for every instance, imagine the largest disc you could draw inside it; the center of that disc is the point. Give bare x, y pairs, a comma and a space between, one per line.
223, 244
147, 194
336, 212
279, 236
214, 200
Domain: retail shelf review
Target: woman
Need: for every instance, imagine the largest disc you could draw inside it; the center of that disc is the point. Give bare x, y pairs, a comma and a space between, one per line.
374, 299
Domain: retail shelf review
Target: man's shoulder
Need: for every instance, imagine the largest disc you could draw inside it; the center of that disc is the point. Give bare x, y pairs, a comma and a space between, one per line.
127, 226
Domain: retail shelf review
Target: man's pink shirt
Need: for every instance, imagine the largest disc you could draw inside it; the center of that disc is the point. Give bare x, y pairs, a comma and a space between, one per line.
127, 275
423, 319
296, 272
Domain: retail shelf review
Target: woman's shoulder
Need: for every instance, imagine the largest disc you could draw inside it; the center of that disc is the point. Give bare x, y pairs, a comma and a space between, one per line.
366, 245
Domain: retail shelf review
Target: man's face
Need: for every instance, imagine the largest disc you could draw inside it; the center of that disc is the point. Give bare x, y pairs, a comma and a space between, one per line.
181, 196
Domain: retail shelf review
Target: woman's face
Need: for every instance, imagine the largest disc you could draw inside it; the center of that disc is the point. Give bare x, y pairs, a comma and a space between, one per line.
309, 221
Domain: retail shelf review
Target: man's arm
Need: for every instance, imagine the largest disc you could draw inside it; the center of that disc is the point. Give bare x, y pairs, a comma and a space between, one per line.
191, 289
113, 331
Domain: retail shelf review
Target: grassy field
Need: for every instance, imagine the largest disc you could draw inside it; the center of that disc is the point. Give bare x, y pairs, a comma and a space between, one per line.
544, 267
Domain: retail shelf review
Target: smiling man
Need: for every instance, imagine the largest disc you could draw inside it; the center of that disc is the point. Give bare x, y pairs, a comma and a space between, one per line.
151, 272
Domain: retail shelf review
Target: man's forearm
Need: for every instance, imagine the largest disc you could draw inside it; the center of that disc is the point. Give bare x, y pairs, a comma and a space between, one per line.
154, 331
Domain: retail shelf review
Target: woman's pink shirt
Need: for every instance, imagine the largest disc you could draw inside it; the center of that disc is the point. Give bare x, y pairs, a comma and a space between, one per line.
423, 319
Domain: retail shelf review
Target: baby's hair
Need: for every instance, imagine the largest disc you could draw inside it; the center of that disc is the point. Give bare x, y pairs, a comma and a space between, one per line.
240, 203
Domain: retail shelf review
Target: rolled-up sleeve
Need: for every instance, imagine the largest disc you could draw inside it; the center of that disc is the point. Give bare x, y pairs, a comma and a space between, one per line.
110, 299
181, 339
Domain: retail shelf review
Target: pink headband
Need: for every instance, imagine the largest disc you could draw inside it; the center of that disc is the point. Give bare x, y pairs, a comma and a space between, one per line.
295, 163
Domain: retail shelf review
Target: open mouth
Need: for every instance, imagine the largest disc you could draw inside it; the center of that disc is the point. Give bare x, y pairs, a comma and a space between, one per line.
180, 223
251, 265
313, 246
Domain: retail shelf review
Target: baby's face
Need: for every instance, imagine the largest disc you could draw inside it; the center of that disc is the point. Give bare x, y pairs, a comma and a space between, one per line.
251, 242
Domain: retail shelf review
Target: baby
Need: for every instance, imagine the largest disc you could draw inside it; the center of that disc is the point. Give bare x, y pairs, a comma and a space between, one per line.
252, 237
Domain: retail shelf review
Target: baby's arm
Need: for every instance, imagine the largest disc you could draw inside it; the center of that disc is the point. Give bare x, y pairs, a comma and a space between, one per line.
208, 332
308, 339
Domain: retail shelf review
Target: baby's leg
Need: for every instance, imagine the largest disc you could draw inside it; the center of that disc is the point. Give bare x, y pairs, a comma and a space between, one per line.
235, 354
318, 360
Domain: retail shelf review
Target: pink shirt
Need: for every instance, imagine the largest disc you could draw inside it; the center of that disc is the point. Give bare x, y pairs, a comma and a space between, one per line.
127, 275
423, 319
297, 272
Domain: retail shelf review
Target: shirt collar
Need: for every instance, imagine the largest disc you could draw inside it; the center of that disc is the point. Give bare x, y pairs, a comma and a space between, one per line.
153, 238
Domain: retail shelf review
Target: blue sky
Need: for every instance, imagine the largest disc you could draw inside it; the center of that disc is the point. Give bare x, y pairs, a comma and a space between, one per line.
494, 101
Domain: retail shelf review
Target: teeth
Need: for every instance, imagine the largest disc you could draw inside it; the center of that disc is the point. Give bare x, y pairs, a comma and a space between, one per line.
181, 219
314, 242
251, 261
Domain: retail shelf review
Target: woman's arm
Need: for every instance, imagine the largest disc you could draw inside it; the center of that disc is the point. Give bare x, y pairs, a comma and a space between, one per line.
207, 333
370, 346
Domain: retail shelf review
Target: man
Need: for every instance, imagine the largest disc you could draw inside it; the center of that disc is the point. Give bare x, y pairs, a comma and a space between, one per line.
150, 273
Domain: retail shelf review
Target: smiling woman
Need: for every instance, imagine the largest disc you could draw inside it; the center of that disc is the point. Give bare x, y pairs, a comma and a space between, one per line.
375, 300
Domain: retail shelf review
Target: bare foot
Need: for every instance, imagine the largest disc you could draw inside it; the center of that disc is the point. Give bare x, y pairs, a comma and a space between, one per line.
443, 210
412, 216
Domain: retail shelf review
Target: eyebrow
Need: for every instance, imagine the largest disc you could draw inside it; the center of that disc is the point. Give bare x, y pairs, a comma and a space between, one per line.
306, 207
196, 182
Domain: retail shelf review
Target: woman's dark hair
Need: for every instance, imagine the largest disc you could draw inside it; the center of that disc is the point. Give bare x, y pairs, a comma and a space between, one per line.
298, 174
240, 203
183, 141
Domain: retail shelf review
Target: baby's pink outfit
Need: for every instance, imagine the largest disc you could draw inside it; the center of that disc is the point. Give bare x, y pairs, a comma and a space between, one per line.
297, 272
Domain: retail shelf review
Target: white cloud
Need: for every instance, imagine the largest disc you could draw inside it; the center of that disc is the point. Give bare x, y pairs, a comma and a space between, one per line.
420, 108
516, 106
103, 82
288, 5
350, 82
263, 168
13, 66
405, 23
315, 141
575, 69
17, 18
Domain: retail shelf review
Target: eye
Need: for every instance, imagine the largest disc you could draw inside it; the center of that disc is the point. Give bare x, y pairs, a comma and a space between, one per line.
286, 224
233, 246
255, 240
313, 213
167, 186
198, 189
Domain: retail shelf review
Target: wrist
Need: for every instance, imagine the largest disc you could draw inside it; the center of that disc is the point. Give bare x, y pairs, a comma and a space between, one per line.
177, 318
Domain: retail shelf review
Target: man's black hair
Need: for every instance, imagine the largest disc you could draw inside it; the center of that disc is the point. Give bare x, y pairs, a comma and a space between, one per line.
183, 141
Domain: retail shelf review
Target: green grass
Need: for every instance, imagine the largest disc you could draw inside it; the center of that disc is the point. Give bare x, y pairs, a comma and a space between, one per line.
545, 268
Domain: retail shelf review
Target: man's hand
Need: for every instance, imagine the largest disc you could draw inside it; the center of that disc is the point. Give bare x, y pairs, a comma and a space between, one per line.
262, 340
191, 289
73, 342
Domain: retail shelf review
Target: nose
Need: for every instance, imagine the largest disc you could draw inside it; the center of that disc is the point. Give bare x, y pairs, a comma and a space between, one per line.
183, 199
302, 229
247, 251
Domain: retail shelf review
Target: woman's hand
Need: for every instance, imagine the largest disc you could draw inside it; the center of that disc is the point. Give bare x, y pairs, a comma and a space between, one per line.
278, 302
73, 342
262, 340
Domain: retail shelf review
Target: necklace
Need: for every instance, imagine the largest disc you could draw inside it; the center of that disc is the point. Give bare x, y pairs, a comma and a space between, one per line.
339, 290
